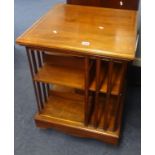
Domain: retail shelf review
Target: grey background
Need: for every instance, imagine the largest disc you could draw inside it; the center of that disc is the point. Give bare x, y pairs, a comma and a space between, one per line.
30, 140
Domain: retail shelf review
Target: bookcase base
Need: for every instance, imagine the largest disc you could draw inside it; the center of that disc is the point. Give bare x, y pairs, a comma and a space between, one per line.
77, 130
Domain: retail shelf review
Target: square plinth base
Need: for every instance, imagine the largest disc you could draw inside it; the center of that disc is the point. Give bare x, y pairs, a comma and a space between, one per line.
77, 129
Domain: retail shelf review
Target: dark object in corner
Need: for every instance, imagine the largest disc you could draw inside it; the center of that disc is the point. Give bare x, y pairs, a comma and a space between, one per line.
117, 4
134, 76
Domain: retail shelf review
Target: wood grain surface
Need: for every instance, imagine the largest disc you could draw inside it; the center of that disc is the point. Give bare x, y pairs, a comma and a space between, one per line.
85, 30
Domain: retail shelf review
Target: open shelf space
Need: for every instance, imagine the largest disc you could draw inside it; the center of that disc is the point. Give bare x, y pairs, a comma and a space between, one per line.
116, 79
65, 108
64, 104
111, 113
62, 70
70, 71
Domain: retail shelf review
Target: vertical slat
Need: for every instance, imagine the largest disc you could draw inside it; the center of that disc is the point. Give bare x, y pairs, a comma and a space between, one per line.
47, 89
34, 63
32, 75
117, 107
44, 91
98, 65
46, 86
43, 85
39, 58
109, 87
86, 108
37, 83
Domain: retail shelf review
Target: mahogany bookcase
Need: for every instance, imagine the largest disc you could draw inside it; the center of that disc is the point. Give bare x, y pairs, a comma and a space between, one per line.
78, 58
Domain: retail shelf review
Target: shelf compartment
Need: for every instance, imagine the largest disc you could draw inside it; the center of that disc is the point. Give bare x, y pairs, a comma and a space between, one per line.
62, 70
64, 112
113, 115
69, 71
67, 104
116, 78
64, 104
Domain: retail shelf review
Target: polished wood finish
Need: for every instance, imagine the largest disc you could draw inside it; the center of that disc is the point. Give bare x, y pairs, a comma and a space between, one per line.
71, 105
118, 4
69, 71
98, 83
62, 70
108, 94
86, 109
78, 58
32, 74
86, 31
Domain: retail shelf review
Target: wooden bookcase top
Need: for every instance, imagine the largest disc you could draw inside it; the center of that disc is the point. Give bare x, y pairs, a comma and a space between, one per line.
85, 30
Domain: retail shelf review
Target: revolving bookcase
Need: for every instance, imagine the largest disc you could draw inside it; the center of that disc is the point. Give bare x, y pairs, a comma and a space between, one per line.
78, 65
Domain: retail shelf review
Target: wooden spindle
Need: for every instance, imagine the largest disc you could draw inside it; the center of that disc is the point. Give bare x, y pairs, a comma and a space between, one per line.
46, 86
34, 63
44, 92
32, 75
39, 58
43, 85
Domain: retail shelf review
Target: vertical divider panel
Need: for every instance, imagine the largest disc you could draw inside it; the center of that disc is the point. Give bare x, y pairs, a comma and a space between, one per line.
32, 75
108, 94
118, 102
86, 103
98, 67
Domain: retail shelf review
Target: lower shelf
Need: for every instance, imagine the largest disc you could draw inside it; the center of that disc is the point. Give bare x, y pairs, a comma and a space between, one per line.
64, 111
65, 104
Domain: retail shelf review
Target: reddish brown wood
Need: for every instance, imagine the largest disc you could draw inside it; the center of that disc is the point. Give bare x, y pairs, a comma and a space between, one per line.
98, 66
39, 59
117, 106
42, 85
44, 92
76, 130
87, 108
48, 88
34, 63
75, 111
86, 91
109, 86
101, 25
32, 75
38, 85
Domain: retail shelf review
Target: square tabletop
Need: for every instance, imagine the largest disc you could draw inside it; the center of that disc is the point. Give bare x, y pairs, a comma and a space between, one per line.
85, 30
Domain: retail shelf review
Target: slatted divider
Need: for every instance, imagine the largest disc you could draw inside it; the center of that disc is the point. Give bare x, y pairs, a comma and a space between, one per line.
36, 62
119, 97
35, 58
32, 69
86, 104
98, 84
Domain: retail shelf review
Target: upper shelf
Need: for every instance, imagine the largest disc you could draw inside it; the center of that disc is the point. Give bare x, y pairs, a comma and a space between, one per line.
62, 70
116, 79
86, 31
70, 72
